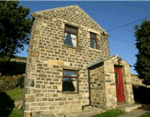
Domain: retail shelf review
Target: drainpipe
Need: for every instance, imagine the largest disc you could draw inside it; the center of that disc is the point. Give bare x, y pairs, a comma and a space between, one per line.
89, 91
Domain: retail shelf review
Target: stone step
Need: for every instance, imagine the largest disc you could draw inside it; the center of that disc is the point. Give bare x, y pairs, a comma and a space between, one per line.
128, 107
90, 108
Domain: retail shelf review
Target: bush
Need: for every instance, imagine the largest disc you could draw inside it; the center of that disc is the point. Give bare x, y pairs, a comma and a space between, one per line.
9, 81
20, 82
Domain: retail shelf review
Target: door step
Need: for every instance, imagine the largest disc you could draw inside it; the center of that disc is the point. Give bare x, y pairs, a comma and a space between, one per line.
128, 107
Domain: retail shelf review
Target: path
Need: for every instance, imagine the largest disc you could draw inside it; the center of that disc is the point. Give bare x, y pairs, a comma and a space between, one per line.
134, 113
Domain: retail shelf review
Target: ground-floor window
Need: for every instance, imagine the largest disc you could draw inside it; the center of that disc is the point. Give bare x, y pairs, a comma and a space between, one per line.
70, 81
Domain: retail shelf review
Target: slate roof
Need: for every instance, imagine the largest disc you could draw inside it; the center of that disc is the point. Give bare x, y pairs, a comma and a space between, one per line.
102, 60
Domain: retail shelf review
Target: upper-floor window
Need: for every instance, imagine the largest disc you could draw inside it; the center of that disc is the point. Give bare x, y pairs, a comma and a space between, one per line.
70, 36
93, 40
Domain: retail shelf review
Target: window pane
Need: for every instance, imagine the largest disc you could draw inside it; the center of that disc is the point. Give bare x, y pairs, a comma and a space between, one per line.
71, 30
70, 40
117, 80
93, 43
93, 36
70, 73
70, 84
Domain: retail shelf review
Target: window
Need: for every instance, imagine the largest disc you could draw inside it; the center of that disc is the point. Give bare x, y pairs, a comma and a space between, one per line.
70, 81
70, 36
117, 79
93, 40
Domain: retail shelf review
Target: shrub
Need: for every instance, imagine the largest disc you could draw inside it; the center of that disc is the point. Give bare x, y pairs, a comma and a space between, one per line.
20, 82
8, 81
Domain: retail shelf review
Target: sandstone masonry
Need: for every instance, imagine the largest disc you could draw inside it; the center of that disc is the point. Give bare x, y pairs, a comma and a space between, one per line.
48, 56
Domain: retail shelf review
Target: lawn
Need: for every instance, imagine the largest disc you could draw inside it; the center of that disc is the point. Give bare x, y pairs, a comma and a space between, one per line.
146, 115
18, 94
15, 113
111, 113
15, 93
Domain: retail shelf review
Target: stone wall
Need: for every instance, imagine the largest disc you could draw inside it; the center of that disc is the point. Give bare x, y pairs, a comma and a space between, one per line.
18, 104
110, 85
97, 83
18, 60
48, 56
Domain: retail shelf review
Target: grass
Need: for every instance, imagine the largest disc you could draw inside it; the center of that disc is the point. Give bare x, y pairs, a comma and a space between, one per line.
146, 115
15, 113
111, 113
15, 93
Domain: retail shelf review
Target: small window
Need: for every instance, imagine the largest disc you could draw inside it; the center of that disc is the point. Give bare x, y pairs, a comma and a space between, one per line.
93, 40
70, 36
117, 79
70, 81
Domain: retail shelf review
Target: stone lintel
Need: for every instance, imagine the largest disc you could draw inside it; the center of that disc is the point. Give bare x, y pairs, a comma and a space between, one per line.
71, 24
72, 68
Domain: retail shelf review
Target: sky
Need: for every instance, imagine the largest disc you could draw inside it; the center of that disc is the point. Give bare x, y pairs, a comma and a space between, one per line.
108, 15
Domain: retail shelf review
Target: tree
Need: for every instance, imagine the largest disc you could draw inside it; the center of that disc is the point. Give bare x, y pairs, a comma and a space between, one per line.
142, 66
15, 28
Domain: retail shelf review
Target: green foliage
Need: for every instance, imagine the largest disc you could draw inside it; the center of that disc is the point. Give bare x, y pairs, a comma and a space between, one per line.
15, 113
8, 81
111, 113
142, 66
20, 82
15, 93
146, 115
15, 28
19, 57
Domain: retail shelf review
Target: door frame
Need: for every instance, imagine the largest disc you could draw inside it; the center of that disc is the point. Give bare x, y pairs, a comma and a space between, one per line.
122, 83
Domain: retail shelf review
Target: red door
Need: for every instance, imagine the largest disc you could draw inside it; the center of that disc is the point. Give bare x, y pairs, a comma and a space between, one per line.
119, 85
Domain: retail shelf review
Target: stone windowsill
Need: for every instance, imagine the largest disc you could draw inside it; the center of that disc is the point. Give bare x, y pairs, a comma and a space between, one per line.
70, 94
95, 49
67, 46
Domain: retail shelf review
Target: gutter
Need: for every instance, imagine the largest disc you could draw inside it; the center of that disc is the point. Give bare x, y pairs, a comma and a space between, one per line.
89, 91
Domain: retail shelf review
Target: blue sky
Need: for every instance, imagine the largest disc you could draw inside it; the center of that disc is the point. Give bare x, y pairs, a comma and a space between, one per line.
108, 15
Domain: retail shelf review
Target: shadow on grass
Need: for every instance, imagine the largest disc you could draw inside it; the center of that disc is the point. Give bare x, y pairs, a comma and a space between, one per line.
141, 95
6, 104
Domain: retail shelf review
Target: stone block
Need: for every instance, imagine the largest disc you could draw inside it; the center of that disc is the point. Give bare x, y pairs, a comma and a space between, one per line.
34, 108
27, 107
36, 32
60, 63
35, 42
27, 115
30, 82
43, 108
52, 62
29, 98
34, 54
38, 99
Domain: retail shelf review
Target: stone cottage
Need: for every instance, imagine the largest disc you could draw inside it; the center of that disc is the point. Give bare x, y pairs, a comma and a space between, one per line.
69, 65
